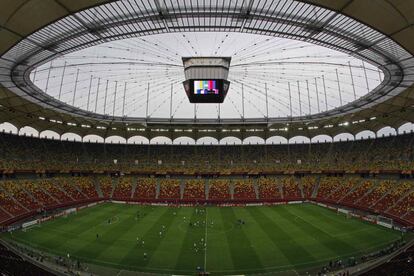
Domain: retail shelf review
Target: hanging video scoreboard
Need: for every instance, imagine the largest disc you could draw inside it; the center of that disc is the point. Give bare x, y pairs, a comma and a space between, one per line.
206, 90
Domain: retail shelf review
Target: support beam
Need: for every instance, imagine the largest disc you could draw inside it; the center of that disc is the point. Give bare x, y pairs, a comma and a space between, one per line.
242, 101
61, 81
48, 76
324, 90
309, 101
171, 101
366, 76
267, 103
339, 87
76, 85
300, 103
89, 93
290, 100
106, 95
97, 93
147, 108
317, 95
123, 99
352, 79
116, 89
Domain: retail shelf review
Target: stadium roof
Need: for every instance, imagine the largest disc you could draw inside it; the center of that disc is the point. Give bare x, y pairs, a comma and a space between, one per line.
34, 32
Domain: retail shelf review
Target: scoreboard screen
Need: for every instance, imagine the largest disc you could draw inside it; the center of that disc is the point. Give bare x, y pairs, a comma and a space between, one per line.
206, 91
206, 87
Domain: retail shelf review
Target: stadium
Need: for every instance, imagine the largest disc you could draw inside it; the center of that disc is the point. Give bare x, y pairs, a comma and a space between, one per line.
206, 137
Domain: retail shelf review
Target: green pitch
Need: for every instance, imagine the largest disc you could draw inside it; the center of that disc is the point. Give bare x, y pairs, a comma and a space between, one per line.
279, 238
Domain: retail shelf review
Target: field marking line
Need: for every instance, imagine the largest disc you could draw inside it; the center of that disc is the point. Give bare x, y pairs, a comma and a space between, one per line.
205, 240
320, 229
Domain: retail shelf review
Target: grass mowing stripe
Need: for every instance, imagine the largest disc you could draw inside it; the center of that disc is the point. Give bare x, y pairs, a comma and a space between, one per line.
359, 232
219, 258
326, 239
269, 254
132, 254
73, 231
187, 257
166, 219
281, 238
240, 247
110, 235
355, 231
146, 226
205, 239
168, 250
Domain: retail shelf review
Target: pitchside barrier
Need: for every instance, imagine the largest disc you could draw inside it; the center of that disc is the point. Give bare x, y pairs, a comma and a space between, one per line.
66, 212
379, 220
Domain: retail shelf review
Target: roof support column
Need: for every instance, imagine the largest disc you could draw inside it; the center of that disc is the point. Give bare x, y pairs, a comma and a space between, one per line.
317, 95
242, 101
366, 76
267, 103
89, 93
48, 76
171, 100
61, 80
309, 101
97, 93
147, 108
300, 104
290, 100
324, 89
339, 87
352, 79
116, 88
123, 99
76, 85
106, 95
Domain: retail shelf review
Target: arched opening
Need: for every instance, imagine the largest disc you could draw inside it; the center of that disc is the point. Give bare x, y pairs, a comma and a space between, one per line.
138, 140
299, 140
92, 138
230, 140
386, 131
8, 128
253, 140
49, 134
28, 131
343, 137
69, 136
276, 140
365, 134
322, 138
160, 140
406, 128
184, 140
115, 139
207, 140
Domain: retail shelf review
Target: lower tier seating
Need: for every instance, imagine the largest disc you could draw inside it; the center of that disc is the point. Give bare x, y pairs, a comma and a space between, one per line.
387, 197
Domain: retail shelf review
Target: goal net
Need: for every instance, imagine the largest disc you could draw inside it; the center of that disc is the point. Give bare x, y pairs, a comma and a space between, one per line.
384, 221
